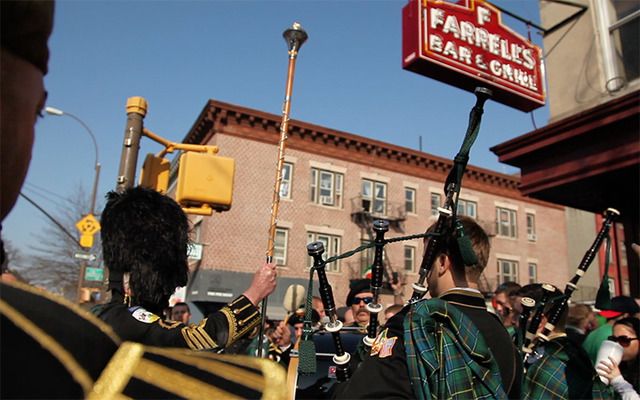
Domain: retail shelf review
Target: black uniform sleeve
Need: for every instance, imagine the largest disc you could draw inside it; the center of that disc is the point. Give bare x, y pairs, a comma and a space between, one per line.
384, 373
220, 329
223, 327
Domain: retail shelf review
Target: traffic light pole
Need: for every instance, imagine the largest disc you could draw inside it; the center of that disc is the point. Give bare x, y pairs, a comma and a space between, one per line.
136, 111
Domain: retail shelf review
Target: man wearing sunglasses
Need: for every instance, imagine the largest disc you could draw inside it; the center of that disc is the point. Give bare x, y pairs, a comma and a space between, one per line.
359, 296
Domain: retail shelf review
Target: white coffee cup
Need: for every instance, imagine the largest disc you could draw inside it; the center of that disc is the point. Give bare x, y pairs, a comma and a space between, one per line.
608, 349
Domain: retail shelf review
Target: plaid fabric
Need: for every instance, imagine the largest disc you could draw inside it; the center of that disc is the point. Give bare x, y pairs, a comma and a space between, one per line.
447, 356
547, 378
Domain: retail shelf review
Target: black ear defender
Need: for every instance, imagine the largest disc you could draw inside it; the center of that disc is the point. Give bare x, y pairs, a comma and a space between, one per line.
464, 245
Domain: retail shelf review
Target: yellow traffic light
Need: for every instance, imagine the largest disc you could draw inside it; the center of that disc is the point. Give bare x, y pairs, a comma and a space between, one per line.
205, 179
155, 173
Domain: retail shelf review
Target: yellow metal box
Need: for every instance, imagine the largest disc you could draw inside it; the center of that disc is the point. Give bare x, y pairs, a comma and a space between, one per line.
205, 179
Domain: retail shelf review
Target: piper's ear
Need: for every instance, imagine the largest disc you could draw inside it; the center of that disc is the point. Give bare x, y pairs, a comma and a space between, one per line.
443, 264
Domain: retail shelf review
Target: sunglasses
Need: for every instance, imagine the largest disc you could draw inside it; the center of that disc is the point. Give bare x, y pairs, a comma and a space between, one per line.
624, 341
366, 300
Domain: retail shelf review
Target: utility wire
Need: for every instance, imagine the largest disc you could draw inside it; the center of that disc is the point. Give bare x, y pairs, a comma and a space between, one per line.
35, 192
58, 224
46, 191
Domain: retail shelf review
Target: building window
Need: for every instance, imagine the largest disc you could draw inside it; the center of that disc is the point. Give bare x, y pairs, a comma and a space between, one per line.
531, 227
506, 222
624, 29
468, 208
326, 187
331, 248
409, 258
285, 184
280, 246
374, 197
435, 203
533, 272
410, 200
507, 271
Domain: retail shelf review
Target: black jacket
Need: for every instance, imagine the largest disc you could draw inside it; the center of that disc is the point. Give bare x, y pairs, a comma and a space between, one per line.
386, 375
220, 329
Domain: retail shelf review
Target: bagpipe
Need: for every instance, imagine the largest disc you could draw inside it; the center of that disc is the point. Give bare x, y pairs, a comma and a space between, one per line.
380, 227
556, 305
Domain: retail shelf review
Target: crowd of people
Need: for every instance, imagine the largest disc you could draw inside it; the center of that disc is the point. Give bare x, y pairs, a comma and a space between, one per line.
453, 344
569, 365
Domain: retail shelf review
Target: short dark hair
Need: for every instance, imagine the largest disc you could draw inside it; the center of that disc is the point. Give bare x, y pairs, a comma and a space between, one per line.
509, 288
182, 304
145, 234
479, 242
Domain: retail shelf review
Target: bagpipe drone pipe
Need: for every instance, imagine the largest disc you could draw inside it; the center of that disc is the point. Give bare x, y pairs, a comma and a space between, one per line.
556, 305
380, 227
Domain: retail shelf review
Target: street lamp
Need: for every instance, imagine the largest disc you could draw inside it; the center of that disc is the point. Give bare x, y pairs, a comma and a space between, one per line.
58, 112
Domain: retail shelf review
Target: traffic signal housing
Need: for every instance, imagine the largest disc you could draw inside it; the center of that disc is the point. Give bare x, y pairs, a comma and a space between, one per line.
205, 179
155, 173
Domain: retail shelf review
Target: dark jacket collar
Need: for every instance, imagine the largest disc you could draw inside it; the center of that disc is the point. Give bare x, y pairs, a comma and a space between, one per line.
464, 298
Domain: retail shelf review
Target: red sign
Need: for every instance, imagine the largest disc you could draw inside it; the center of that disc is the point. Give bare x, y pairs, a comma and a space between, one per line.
465, 45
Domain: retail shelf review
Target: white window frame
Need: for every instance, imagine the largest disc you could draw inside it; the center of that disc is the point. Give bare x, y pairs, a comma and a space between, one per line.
410, 203
531, 227
332, 244
434, 196
334, 196
409, 258
467, 205
286, 182
609, 27
509, 227
281, 247
512, 275
377, 203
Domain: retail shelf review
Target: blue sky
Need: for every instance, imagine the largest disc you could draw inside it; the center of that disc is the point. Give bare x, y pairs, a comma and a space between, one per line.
179, 54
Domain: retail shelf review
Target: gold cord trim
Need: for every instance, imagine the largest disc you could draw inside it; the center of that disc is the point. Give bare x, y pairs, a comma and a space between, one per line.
56, 349
217, 367
118, 372
178, 383
231, 321
105, 328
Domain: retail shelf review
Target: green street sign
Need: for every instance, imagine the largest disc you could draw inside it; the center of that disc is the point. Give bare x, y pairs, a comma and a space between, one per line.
93, 274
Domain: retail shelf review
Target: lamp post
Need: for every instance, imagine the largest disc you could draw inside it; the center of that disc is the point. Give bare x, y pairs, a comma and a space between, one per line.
58, 112
92, 206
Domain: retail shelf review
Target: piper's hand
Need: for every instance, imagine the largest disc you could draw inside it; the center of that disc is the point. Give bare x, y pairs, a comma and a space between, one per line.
608, 369
263, 284
282, 335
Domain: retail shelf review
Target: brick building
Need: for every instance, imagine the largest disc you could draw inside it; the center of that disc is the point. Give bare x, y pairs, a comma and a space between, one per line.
334, 185
588, 155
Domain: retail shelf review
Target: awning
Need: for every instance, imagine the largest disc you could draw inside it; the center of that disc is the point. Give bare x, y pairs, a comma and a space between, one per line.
220, 286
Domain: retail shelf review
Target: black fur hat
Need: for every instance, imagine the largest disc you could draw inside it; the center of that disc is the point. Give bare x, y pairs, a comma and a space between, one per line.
145, 234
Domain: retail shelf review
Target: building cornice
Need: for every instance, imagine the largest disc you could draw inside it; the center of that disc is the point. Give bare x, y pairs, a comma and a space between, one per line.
223, 118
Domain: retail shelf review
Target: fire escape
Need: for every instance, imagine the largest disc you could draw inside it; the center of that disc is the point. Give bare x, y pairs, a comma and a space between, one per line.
363, 212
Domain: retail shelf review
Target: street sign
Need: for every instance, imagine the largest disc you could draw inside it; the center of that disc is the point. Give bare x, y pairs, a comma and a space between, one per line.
93, 274
88, 225
194, 251
85, 256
